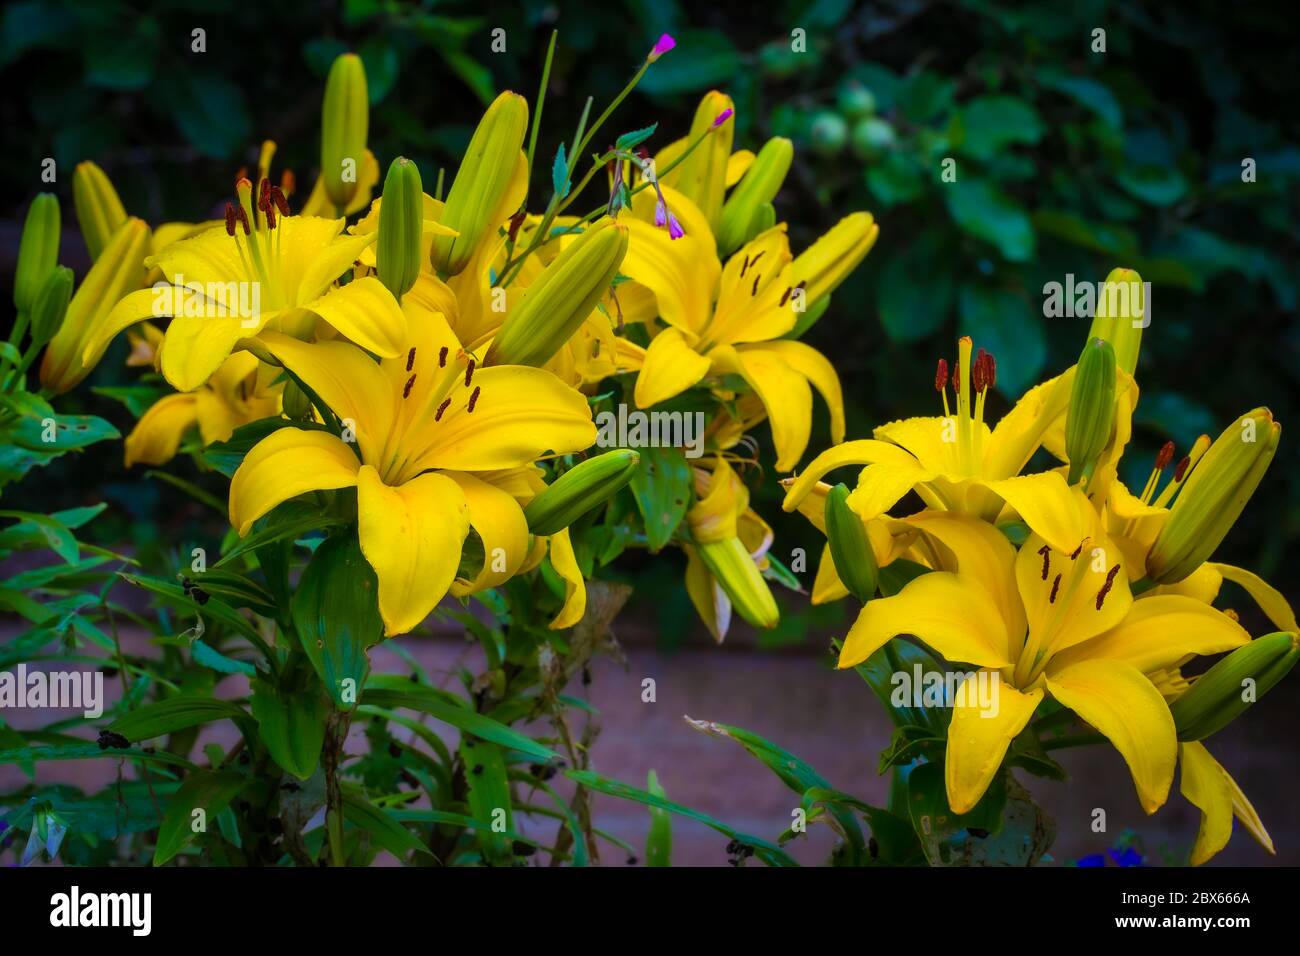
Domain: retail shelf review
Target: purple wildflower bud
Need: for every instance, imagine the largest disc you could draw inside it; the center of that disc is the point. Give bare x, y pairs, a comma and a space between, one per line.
662, 46
661, 212
675, 230
723, 117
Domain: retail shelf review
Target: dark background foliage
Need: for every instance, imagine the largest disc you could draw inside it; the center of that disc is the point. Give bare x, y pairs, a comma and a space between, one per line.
1068, 161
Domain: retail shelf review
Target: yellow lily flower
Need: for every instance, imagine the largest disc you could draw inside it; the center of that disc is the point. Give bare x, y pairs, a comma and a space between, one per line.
956, 463
232, 397
424, 423
265, 270
721, 516
1046, 621
730, 320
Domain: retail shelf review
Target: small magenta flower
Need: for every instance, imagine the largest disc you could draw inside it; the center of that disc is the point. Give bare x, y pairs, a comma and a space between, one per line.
723, 117
662, 46
663, 216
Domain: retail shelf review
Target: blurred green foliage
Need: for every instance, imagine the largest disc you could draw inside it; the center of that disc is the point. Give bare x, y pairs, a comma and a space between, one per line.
1067, 161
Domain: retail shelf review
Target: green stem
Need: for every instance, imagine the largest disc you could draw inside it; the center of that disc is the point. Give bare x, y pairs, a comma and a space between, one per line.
541, 102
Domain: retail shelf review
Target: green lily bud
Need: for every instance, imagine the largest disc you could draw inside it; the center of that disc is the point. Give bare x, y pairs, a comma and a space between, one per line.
1121, 315
855, 561
345, 120
100, 213
476, 204
745, 211
1090, 418
1213, 496
581, 488
561, 298
401, 220
38, 250
51, 305
732, 566
1226, 690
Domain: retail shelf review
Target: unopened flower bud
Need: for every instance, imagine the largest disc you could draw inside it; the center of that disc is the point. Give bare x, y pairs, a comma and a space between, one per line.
855, 561
401, 220
744, 214
1226, 690
561, 298
1121, 315
580, 489
477, 203
1090, 418
38, 250
1213, 496
345, 121
100, 213
732, 566
51, 305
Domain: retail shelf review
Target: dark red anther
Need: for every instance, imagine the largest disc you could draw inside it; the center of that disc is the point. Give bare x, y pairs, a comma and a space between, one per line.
1105, 588
277, 197
1045, 551
269, 212
1182, 468
243, 220
977, 373
406, 390
1056, 586
469, 372
473, 398
410, 359
990, 370
437, 417
956, 378
230, 219
264, 195
941, 375
516, 221
442, 357
1165, 456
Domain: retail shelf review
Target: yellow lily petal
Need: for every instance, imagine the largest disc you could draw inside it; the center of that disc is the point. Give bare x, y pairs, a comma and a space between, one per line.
347, 380
1126, 708
365, 312
210, 258
864, 451
283, 465
827, 586
1046, 503
702, 175
412, 536
923, 436
738, 164
829, 260
881, 486
1161, 632
1203, 585
196, 346
710, 601
813, 366
754, 293
499, 521
565, 563
520, 414
158, 433
682, 273
1205, 785
976, 550
1019, 432
954, 616
978, 739
1248, 817
1269, 599
671, 366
